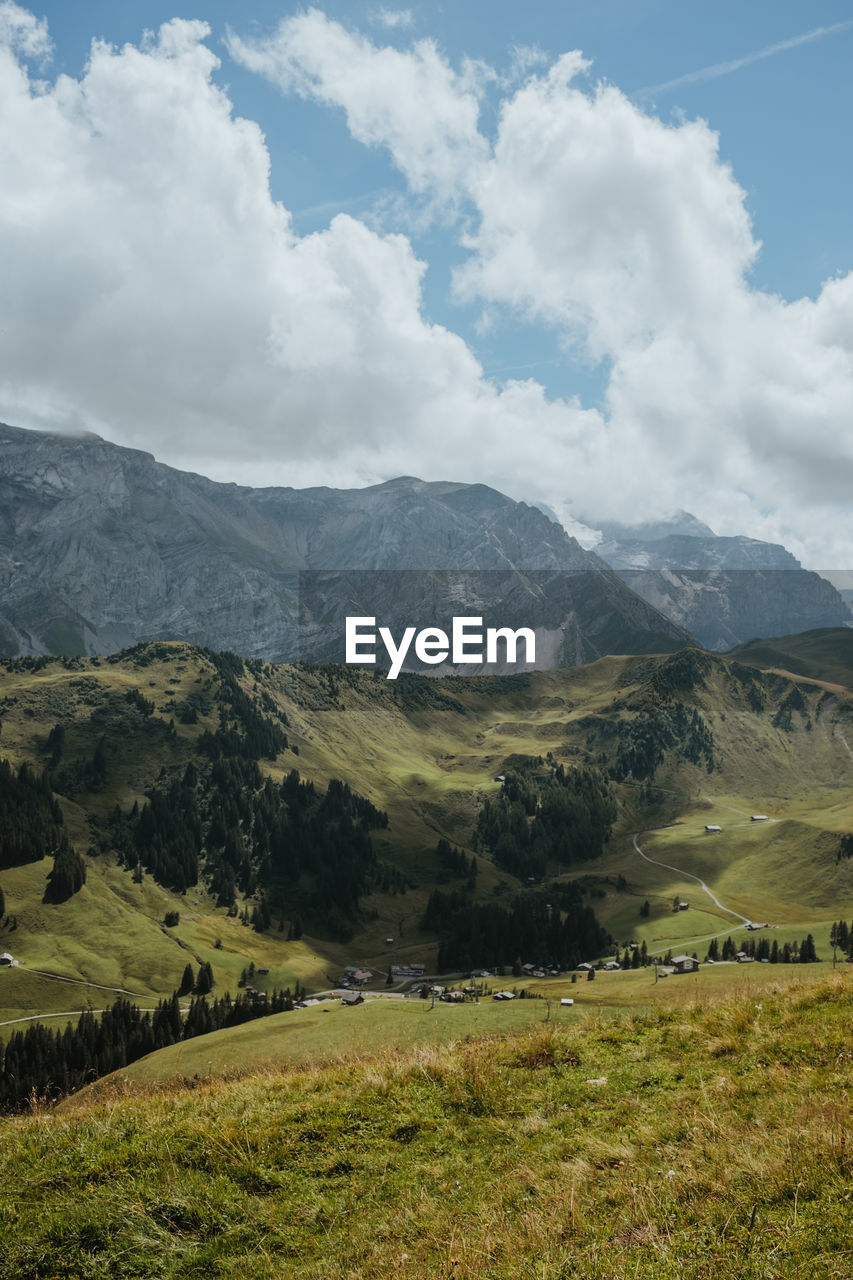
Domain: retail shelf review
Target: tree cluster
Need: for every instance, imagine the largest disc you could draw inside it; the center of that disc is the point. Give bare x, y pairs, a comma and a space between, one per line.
302, 852
762, 948
42, 1063
31, 823
645, 740
841, 934
454, 864
243, 729
554, 935
546, 817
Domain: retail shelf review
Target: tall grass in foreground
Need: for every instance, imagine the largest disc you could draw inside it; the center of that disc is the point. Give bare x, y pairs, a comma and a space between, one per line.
684, 1144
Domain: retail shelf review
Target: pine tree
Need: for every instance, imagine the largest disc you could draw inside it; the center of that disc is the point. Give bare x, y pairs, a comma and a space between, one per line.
68, 874
808, 954
204, 982
99, 763
55, 745
187, 981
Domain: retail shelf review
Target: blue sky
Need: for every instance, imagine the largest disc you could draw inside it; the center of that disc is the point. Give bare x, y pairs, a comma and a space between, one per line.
629, 320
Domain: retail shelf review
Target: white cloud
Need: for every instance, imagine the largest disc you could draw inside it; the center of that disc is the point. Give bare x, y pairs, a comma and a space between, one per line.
391, 18
22, 31
163, 299
412, 102
631, 239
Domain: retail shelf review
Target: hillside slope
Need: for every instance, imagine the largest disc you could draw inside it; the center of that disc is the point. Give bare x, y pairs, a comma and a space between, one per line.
706, 1139
822, 654
214, 746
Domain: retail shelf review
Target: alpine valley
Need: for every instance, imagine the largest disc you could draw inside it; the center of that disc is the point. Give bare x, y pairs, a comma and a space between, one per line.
209, 857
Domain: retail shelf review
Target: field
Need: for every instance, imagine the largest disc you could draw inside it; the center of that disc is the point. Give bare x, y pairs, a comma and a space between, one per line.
327, 1031
702, 1138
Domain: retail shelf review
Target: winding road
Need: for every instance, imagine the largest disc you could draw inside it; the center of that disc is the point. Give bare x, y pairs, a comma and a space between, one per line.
689, 876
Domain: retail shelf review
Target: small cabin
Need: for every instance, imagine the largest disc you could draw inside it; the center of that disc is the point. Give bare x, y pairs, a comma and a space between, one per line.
712, 828
758, 817
6, 958
684, 964
566, 1001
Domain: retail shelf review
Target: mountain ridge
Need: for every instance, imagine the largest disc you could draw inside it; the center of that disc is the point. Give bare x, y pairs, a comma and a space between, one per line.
723, 589
102, 547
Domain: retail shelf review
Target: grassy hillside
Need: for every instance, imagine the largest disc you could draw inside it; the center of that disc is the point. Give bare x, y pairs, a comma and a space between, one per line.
708, 1138
824, 654
322, 1033
428, 752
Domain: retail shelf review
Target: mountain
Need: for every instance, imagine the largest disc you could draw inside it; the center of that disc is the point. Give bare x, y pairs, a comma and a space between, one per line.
102, 546
724, 590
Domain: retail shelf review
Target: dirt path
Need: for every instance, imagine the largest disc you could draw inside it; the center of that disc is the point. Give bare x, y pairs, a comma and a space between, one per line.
81, 982
37, 1017
70, 1013
689, 876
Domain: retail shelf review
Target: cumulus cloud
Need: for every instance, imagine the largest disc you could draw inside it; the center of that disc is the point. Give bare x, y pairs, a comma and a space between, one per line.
162, 298
411, 102
22, 31
631, 239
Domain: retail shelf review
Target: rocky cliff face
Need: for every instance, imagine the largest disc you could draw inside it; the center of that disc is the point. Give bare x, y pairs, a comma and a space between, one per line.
723, 590
102, 546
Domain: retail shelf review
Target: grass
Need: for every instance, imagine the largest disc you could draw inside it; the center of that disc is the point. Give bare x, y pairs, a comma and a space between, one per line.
321, 1033
823, 654
709, 1139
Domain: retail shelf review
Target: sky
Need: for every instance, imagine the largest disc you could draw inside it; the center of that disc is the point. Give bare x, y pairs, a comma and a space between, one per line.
595, 253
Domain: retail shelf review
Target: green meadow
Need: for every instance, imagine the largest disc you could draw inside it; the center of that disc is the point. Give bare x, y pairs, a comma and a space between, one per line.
429, 752
701, 1137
